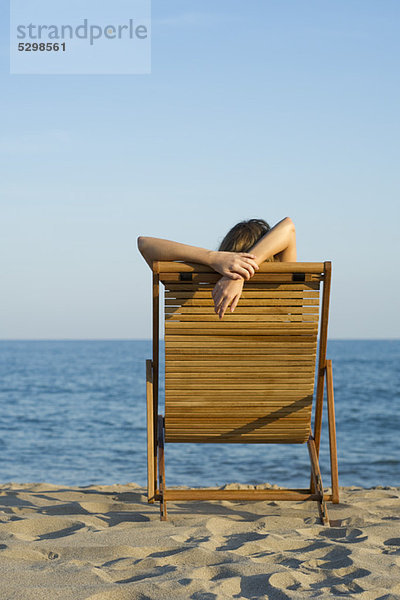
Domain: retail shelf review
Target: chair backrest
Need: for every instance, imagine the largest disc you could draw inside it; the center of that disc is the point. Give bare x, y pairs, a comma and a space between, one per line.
248, 378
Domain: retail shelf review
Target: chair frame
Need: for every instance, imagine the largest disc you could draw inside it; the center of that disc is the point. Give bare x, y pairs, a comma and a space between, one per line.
156, 487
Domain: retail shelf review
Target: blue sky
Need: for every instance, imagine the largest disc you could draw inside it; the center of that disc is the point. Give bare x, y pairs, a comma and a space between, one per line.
253, 109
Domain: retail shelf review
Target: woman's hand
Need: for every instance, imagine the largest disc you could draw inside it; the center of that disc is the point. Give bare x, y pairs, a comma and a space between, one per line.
227, 291
234, 265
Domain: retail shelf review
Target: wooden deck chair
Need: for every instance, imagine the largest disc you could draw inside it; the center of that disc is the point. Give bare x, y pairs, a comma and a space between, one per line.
248, 378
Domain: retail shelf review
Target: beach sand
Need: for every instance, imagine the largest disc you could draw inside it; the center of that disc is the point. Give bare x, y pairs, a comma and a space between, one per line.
107, 543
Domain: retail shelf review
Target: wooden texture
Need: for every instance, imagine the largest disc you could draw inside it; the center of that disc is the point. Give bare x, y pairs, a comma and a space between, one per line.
323, 340
317, 481
332, 433
248, 378
258, 362
251, 494
161, 468
204, 278
315, 268
151, 447
155, 362
240, 328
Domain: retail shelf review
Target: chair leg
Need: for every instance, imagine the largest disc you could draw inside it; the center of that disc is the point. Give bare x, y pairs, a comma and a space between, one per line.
316, 475
332, 433
318, 418
151, 475
161, 469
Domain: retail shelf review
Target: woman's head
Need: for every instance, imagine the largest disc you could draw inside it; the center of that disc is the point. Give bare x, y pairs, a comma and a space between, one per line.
244, 235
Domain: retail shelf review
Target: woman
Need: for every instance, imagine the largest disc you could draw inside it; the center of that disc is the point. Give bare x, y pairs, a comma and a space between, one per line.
245, 246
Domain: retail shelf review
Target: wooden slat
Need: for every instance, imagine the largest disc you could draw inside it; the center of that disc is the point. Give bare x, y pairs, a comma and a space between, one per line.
238, 372
270, 328
307, 333
266, 402
234, 317
174, 421
175, 353
245, 310
265, 405
220, 365
307, 368
278, 412
225, 439
261, 293
239, 349
259, 373
243, 338
199, 413
212, 400
241, 384
265, 267
263, 302
213, 385
256, 290
259, 286
236, 495
248, 431
230, 395
302, 415
245, 433
258, 376
272, 418
265, 434
255, 437
255, 399
266, 350
261, 405
260, 435
270, 376
235, 342
295, 426
226, 342
206, 278
302, 285
239, 360
198, 366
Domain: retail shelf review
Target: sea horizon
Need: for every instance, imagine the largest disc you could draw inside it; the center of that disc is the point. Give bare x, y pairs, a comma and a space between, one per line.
73, 412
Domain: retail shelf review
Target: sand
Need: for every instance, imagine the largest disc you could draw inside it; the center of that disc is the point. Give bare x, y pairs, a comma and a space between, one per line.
107, 543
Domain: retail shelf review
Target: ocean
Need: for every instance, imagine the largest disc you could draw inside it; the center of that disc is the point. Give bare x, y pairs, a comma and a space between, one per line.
73, 413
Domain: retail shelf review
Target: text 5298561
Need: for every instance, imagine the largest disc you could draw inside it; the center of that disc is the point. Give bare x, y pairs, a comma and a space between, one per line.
41, 47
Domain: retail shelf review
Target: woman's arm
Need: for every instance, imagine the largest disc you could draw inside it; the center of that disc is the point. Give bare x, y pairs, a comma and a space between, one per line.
234, 265
280, 242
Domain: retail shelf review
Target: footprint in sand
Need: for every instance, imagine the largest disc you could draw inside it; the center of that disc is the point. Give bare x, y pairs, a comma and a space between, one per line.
394, 546
345, 535
44, 528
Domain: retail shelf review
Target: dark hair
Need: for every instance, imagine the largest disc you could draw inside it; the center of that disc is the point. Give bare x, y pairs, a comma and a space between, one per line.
244, 235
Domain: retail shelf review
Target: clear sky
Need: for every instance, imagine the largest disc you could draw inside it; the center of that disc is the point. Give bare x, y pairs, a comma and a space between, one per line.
254, 108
